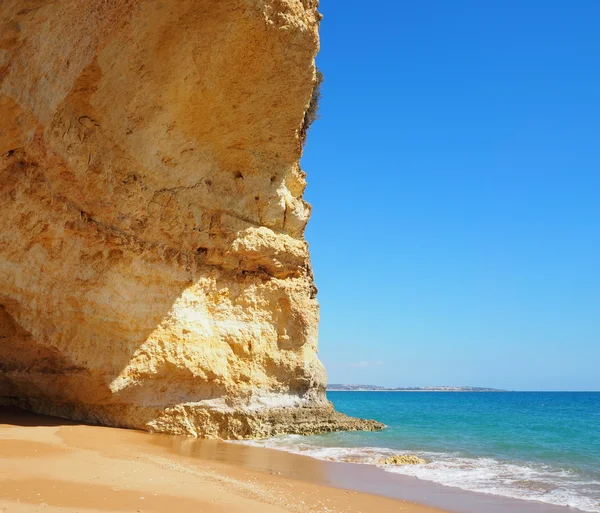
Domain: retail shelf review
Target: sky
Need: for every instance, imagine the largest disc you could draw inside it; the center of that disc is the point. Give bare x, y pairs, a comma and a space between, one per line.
454, 175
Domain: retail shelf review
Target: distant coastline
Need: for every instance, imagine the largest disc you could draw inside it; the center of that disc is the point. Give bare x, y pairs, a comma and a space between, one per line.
336, 387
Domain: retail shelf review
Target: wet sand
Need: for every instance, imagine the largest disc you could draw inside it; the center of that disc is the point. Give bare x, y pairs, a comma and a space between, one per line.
54, 465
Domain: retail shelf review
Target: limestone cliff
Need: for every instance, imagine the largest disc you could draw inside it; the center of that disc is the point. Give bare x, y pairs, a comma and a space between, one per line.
153, 271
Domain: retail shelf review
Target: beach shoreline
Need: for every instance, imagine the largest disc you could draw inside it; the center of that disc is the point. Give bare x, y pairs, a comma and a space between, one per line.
56, 465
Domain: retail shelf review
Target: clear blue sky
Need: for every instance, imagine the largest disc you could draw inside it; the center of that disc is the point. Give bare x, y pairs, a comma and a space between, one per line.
455, 182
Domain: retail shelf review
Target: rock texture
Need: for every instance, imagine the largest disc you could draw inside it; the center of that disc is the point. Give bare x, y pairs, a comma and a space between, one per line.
402, 459
153, 271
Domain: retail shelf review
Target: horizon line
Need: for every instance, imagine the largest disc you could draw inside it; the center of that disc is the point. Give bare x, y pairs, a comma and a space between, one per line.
452, 386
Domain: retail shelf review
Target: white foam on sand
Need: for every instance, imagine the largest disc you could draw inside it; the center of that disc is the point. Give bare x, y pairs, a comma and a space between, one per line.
519, 480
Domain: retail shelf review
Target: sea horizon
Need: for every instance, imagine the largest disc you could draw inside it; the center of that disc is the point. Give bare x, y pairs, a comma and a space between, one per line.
467, 391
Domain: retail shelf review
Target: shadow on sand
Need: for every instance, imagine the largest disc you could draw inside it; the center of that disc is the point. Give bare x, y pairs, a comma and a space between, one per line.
12, 416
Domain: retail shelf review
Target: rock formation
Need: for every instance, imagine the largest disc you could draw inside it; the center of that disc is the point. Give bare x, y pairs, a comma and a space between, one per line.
153, 271
402, 459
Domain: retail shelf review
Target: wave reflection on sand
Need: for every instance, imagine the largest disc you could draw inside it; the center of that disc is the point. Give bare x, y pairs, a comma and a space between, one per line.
519, 480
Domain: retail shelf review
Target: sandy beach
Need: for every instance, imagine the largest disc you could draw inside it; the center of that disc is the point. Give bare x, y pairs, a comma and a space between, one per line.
53, 465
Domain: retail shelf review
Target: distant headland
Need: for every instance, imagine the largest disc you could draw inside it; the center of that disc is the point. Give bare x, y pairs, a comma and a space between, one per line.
336, 387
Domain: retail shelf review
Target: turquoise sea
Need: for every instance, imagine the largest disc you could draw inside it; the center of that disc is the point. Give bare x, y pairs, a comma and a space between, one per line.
542, 446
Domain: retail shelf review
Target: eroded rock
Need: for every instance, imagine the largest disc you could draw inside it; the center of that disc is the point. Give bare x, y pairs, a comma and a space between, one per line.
153, 270
401, 459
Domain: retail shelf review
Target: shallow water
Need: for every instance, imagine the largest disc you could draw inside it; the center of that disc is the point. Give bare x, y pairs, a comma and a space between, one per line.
542, 446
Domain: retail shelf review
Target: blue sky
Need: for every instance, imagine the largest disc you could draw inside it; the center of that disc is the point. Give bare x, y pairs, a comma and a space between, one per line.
455, 182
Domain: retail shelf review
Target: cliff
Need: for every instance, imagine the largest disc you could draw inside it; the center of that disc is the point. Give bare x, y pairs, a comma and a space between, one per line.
153, 271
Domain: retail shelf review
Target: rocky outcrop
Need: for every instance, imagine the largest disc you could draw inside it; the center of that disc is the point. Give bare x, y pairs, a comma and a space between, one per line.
402, 459
153, 271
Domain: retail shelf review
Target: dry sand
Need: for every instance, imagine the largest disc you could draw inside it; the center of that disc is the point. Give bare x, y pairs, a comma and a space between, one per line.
52, 465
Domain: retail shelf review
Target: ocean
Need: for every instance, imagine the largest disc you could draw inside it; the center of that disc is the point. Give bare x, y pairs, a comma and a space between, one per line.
540, 446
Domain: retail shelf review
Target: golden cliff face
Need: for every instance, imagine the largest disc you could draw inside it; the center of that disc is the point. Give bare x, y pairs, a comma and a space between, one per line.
153, 270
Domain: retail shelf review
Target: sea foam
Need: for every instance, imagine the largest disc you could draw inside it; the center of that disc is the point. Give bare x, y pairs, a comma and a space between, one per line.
519, 480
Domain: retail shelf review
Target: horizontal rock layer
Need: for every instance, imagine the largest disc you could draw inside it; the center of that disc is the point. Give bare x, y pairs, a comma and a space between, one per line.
153, 270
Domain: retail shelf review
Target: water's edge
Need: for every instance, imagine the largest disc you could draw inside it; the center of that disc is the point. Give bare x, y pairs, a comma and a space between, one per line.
533, 446
374, 480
